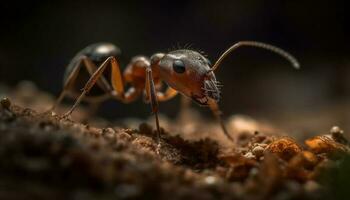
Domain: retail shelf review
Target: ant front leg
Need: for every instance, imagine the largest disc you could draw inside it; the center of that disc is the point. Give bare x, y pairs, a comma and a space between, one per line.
152, 97
116, 79
217, 113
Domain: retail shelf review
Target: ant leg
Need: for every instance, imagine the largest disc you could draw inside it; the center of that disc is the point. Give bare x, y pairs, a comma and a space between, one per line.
91, 68
152, 96
167, 95
130, 95
68, 82
95, 102
103, 84
116, 77
58, 100
91, 99
217, 113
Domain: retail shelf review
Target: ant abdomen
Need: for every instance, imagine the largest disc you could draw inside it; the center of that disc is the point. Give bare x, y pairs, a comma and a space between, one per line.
85, 63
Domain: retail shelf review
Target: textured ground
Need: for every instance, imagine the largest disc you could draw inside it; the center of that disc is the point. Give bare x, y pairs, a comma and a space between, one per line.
43, 156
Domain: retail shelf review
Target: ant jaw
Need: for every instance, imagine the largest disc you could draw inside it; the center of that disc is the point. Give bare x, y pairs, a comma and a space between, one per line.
210, 92
211, 87
202, 101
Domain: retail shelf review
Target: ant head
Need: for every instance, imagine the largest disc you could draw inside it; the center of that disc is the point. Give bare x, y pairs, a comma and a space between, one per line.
189, 73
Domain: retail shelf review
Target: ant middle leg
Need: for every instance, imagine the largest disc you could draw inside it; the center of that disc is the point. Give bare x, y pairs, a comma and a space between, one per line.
168, 94
151, 95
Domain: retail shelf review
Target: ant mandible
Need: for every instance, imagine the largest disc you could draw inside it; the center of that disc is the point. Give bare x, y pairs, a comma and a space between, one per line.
184, 71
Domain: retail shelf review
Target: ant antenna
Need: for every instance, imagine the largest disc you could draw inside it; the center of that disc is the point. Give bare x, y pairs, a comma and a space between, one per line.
269, 47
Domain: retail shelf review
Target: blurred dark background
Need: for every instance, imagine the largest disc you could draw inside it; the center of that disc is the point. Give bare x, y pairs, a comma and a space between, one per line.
38, 39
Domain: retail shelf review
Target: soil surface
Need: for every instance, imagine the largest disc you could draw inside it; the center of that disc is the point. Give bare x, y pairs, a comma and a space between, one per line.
45, 156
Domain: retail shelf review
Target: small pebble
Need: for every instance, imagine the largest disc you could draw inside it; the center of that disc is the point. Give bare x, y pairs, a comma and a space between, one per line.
210, 180
336, 130
254, 172
145, 129
108, 131
5, 103
109, 134
249, 155
124, 135
311, 186
53, 114
338, 135
258, 151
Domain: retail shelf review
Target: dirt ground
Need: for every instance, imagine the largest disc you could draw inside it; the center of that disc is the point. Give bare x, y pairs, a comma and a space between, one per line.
43, 156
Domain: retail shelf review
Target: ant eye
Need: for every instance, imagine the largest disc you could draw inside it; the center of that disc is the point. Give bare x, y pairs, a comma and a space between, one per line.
179, 66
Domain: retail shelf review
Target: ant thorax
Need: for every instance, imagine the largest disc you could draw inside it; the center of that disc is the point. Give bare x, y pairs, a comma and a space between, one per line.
135, 72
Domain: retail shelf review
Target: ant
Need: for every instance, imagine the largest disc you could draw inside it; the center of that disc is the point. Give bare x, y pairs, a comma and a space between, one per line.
184, 71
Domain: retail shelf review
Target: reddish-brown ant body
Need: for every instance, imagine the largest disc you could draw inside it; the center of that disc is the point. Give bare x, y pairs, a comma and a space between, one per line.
184, 71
